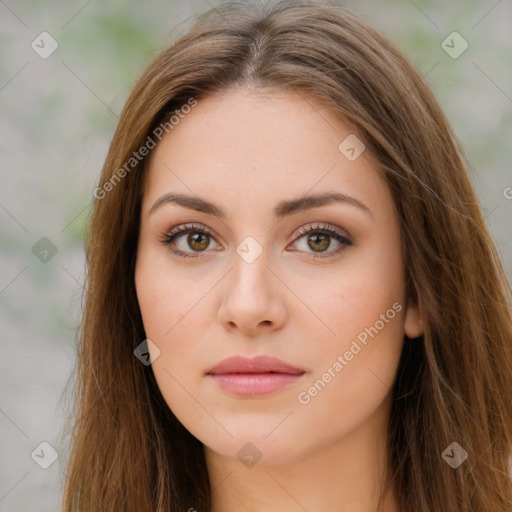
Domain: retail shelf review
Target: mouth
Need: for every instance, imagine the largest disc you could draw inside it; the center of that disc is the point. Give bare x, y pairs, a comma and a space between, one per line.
259, 376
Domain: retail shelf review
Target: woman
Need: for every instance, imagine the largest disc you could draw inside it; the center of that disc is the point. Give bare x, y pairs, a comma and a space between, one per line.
293, 301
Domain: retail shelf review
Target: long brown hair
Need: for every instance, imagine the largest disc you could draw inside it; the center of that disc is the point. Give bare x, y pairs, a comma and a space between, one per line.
454, 383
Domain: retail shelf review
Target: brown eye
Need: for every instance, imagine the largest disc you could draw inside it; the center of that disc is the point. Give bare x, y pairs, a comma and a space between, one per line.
319, 239
198, 241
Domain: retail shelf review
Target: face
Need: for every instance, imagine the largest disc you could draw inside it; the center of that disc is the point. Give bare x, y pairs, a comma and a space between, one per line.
245, 265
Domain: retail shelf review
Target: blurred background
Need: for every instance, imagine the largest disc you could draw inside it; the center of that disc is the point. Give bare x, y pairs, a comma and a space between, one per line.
66, 69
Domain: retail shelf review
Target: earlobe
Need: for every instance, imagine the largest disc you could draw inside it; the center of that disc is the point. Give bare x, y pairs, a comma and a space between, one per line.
413, 325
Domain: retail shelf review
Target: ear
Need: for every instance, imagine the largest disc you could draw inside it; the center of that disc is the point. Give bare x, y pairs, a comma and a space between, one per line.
413, 324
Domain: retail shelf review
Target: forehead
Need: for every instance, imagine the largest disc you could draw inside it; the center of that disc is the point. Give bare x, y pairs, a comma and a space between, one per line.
259, 147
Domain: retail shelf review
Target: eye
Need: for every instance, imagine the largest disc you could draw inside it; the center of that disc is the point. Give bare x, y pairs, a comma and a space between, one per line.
316, 237
319, 238
198, 240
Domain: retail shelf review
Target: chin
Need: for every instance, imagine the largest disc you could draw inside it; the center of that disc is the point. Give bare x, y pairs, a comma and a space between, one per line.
252, 450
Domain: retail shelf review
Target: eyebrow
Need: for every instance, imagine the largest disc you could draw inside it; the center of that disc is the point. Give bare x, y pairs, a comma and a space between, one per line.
282, 208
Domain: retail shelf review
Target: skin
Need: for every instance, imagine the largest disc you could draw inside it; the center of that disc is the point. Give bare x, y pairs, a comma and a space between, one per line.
245, 152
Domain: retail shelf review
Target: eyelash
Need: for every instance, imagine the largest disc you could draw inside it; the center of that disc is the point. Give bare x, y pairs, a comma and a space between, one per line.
169, 238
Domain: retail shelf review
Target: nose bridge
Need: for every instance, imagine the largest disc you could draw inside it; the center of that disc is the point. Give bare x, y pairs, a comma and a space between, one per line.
251, 297
250, 276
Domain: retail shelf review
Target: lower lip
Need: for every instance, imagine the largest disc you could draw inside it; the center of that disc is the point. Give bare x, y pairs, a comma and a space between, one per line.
255, 384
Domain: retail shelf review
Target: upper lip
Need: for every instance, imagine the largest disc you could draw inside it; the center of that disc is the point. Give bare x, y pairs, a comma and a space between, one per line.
258, 364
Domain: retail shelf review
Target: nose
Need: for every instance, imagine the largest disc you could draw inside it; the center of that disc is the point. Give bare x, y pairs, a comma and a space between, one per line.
252, 298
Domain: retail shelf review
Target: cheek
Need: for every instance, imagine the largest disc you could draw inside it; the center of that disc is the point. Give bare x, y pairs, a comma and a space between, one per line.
363, 307
156, 302
176, 313
364, 328
167, 297
173, 318
354, 372
354, 298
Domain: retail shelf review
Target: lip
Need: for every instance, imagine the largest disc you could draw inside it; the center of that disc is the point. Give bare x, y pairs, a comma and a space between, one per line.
259, 376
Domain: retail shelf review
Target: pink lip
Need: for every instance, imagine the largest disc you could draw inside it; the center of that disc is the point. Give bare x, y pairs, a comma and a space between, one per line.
259, 376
